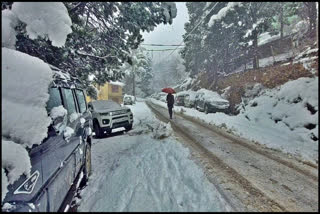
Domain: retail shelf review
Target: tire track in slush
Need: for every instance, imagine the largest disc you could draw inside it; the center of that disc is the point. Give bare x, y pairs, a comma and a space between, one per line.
251, 197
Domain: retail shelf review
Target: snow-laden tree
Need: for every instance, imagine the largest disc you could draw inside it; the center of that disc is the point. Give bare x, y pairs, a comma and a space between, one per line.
103, 34
138, 73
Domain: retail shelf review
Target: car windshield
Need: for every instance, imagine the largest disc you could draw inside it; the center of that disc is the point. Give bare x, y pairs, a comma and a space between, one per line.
127, 98
104, 104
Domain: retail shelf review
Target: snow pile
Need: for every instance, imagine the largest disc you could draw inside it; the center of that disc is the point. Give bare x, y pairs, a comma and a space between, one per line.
284, 118
59, 117
74, 116
45, 19
162, 130
15, 167
140, 173
58, 111
67, 134
223, 12
9, 22
25, 85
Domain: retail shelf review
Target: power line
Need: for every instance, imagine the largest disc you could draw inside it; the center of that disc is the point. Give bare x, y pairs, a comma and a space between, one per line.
161, 50
160, 45
195, 27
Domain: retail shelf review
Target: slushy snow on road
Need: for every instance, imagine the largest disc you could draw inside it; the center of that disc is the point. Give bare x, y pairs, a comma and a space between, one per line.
147, 169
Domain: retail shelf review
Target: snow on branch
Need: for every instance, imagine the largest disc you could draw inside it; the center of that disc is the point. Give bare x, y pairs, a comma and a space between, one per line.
45, 19
223, 12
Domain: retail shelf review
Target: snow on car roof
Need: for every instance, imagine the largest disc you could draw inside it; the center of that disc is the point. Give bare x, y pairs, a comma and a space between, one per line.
211, 95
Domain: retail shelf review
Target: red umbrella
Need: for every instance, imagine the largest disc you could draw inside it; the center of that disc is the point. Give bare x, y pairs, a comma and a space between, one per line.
168, 90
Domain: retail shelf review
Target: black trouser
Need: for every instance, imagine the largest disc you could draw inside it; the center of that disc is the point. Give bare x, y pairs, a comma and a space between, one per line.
170, 111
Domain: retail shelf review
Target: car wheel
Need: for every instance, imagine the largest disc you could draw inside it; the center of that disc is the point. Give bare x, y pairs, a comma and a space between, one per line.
87, 167
97, 130
128, 128
206, 110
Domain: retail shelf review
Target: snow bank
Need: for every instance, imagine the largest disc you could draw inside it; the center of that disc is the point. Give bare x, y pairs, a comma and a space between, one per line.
25, 85
284, 118
9, 22
45, 19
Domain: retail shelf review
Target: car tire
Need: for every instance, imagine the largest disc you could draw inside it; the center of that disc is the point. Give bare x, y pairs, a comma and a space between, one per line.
87, 168
128, 128
206, 110
97, 130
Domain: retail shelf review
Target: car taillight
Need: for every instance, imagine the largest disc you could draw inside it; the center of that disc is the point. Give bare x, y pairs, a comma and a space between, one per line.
28, 186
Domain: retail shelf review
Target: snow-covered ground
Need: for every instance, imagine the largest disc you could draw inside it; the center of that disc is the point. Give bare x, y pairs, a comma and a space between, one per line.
147, 169
284, 118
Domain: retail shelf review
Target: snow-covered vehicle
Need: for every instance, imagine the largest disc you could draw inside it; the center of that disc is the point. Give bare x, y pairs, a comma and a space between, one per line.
108, 115
179, 101
63, 160
210, 102
189, 99
128, 100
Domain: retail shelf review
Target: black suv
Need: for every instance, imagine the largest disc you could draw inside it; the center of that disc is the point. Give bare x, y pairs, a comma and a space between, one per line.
58, 164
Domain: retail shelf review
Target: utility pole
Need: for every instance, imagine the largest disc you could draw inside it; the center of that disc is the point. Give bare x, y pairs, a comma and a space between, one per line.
134, 82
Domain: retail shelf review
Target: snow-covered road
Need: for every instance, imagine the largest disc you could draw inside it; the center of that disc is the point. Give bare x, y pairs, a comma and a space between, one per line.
147, 169
261, 179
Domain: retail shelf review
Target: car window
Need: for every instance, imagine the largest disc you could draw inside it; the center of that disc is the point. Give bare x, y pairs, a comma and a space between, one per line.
105, 104
71, 106
54, 99
81, 100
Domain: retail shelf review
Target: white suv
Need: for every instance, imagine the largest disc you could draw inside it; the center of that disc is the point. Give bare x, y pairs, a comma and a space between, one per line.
108, 115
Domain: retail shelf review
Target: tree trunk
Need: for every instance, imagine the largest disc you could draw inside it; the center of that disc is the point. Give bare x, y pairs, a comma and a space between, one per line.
255, 50
134, 84
281, 22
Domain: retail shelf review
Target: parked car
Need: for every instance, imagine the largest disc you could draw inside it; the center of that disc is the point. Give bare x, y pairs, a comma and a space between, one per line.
59, 162
189, 99
108, 115
162, 96
180, 98
128, 100
210, 102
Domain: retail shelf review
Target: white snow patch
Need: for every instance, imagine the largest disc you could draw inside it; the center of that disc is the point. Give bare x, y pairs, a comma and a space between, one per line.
74, 116
68, 133
27, 76
58, 111
45, 19
9, 22
223, 12
14, 166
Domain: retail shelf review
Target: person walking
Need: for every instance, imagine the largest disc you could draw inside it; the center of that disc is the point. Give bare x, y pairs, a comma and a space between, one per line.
170, 102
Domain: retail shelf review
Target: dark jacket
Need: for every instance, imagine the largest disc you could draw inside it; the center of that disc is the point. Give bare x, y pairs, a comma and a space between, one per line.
170, 100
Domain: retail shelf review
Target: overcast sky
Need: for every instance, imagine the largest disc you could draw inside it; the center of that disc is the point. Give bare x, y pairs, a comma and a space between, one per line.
168, 34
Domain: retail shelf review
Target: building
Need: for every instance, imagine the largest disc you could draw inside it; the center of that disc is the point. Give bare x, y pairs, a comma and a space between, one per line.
110, 91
